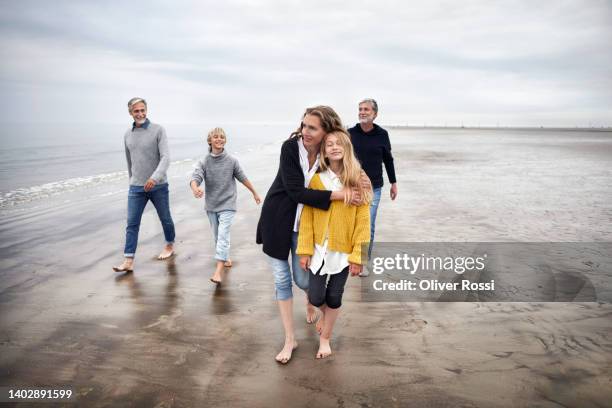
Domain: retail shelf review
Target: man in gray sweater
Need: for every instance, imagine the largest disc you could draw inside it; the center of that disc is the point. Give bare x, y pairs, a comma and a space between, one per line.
146, 151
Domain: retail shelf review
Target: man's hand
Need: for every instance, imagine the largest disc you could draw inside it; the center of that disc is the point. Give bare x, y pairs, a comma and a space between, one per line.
256, 198
355, 269
305, 262
197, 192
393, 191
149, 185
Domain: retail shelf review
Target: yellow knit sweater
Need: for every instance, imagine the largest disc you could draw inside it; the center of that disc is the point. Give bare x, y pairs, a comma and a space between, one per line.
348, 227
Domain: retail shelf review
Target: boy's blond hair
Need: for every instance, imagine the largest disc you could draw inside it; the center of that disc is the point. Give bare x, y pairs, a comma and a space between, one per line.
216, 131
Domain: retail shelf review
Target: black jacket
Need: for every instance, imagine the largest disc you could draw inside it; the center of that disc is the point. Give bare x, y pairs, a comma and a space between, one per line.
278, 211
373, 149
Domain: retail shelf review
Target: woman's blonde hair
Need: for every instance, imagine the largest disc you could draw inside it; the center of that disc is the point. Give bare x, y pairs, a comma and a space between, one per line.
350, 175
216, 131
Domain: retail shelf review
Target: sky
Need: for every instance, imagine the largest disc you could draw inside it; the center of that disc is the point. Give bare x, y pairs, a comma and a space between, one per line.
476, 63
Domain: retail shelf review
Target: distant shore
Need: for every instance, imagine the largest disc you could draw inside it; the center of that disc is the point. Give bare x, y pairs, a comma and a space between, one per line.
454, 127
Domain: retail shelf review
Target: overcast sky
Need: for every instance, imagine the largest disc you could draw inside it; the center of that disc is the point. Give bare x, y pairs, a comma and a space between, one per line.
430, 62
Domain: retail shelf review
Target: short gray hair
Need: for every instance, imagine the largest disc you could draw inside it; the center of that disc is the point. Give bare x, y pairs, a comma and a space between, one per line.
371, 102
134, 101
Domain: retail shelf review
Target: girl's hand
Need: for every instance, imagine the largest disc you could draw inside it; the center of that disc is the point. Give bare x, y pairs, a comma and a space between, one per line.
355, 269
198, 192
305, 262
256, 198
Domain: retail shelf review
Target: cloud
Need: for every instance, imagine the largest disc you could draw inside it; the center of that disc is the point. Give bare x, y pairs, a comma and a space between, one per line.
510, 62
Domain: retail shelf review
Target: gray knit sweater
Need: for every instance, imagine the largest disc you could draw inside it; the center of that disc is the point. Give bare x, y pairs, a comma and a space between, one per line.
219, 174
146, 151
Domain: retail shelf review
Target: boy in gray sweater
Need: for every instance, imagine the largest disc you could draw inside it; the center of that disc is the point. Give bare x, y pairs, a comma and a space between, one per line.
218, 171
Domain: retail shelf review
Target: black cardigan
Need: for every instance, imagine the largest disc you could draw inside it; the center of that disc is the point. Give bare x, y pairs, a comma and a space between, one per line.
278, 211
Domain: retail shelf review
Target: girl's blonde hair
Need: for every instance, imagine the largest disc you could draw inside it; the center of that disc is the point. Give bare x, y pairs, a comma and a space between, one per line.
351, 169
216, 131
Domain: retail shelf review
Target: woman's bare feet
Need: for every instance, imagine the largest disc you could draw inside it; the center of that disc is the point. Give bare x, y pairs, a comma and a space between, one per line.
311, 313
167, 252
126, 266
228, 263
285, 354
324, 348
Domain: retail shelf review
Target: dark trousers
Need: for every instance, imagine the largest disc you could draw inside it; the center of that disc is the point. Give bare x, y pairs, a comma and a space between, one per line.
327, 289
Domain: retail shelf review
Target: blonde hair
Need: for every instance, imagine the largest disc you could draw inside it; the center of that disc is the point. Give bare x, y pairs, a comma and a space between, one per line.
350, 175
216, 131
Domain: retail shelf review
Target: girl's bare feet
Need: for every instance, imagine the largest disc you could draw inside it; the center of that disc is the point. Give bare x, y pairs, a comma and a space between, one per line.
166, 253
285, 354
324, 348
320, 323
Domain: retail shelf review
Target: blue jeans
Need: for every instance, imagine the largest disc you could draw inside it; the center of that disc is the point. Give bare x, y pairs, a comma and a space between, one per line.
282, 273
373, 210
221, 222
137, 201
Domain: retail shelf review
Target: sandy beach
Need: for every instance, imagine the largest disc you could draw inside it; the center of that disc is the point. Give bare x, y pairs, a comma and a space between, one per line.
164, 336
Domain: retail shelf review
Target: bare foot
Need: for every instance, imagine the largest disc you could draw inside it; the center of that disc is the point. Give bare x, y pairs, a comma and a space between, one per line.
311, 314
228, 263
126, 266
320, 324
324, 348
285, 354
218, 275
166, 253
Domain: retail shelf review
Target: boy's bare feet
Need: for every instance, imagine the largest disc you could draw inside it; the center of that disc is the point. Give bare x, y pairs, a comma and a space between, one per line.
311, 313
324, 348
217, 276
167, 252
126, 266
285, 354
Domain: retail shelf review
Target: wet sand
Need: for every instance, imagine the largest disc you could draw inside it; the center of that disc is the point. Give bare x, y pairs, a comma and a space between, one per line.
165, 336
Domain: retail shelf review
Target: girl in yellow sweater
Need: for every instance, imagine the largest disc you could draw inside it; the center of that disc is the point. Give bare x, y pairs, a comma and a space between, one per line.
330, 241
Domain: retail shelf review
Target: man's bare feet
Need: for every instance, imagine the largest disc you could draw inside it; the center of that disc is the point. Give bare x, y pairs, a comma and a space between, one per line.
311, 313
324, 348
228, 263
167, 252
320, 324
285, 354
126, 266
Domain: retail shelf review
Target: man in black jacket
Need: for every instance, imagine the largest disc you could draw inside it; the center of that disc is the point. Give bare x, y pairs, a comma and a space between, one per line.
373, 148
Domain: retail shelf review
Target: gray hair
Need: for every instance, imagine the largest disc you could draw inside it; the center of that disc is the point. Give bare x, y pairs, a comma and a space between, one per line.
134, 101
372, 102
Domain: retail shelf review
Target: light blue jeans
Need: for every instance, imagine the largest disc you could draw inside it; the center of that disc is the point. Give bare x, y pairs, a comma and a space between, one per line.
221, 222
282, 273
373, 209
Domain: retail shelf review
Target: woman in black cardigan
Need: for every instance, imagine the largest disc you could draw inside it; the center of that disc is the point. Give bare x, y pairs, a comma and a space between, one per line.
279, 220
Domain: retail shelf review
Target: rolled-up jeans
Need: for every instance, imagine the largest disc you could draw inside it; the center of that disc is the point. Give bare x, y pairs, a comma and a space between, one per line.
137, 201
282, 273
221, 222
